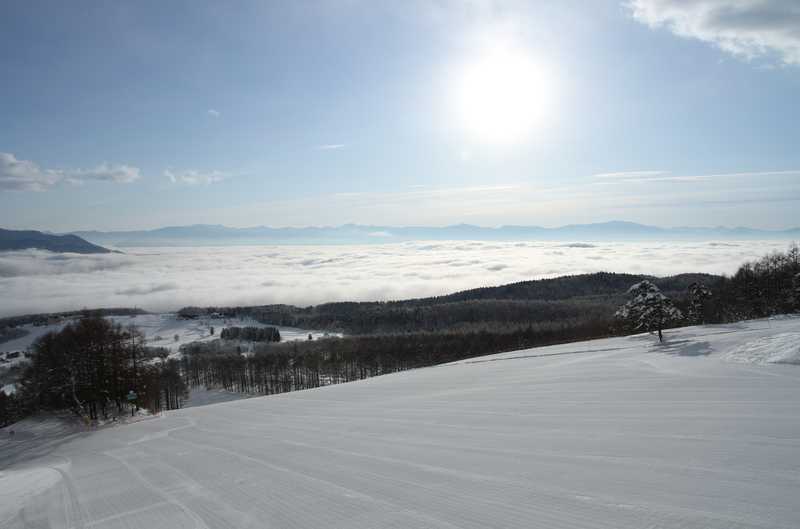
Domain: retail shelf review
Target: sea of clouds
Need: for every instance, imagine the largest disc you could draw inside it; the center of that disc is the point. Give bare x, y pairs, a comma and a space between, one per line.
165, 279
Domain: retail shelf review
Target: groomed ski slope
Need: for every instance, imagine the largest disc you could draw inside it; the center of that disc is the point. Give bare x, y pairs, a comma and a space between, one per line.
617, 433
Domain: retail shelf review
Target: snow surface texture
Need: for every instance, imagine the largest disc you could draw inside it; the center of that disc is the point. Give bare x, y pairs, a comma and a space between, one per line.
615, 433
202, 396
165, 279
781, 348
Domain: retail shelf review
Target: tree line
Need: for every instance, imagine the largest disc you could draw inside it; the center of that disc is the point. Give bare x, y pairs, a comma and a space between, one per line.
584, 296
98, 369
251, 334
765, 287
289, 366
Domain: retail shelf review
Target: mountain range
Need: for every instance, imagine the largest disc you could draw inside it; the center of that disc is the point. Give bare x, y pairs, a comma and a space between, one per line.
210, 235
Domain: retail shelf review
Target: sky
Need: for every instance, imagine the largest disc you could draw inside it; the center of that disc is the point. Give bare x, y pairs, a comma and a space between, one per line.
135, 115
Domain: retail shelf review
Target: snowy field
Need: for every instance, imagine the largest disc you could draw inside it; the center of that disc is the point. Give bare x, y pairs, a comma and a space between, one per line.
702, 432
24, 342
165, 279
161, 329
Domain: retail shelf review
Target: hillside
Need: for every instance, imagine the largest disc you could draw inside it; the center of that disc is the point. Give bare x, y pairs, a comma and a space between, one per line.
601, 284
557, 301
11, 240
618, 433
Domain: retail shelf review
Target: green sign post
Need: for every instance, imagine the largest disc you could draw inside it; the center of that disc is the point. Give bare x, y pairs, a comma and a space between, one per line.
132, 396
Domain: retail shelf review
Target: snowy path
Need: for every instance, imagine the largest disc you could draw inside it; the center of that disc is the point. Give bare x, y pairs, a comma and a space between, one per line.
615, 433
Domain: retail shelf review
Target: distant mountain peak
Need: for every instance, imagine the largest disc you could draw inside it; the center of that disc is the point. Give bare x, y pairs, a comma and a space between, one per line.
14, 240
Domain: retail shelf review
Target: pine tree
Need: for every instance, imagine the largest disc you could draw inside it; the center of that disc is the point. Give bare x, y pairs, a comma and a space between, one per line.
648, 309
698, 293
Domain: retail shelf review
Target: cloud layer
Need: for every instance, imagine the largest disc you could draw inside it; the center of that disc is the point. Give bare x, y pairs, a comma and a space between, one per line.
25, 175
161, 279
744, 28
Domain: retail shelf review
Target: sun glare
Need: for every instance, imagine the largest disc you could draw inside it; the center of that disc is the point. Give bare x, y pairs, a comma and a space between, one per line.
502, 96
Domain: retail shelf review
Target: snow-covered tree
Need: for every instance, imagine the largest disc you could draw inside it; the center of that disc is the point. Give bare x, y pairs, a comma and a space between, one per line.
698, 293
648, 309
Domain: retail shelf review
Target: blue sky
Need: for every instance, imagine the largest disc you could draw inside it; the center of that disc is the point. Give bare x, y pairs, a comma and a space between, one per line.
127, 115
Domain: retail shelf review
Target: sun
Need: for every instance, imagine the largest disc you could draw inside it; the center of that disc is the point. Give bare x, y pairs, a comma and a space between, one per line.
502, 96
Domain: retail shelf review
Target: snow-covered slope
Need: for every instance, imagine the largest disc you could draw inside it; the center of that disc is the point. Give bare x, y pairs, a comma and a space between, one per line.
617, 433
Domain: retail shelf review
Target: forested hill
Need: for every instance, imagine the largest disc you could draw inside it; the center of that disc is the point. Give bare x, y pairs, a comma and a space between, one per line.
26, 239
564, 301
600, 284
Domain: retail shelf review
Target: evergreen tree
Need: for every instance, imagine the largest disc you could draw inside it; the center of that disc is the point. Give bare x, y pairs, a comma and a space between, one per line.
698, 293
648, 309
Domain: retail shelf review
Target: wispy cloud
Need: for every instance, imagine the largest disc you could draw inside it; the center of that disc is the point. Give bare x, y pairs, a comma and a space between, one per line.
25, 175
744, 28
666, 176
214, 113
634, 177
330, 146
630, 174
120, 174
193, 177
789, 172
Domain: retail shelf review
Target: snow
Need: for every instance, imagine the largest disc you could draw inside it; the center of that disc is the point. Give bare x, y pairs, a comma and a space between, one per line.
615, 433
22, 486
202, 396
34, 332
783, 348
160, 330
